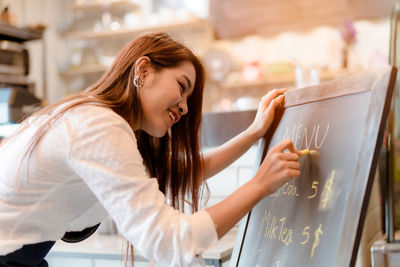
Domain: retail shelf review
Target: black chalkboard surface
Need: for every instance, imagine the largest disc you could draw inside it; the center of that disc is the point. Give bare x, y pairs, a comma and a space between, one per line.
317, 219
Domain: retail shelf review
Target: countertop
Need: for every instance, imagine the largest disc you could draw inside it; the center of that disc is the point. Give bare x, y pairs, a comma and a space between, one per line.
113, 246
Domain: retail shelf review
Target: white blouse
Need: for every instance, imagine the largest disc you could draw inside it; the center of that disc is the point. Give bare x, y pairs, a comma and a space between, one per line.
86, 166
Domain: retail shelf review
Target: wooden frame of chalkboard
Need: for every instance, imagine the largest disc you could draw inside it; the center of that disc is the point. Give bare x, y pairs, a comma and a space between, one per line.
317, 219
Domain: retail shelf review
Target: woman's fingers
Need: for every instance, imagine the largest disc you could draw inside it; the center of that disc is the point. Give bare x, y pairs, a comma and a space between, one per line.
278, 167
289, 156
270, 96
286, 156
276, 102
292, 173
287, 160
293, 165
286, 144
274, 93
266, 111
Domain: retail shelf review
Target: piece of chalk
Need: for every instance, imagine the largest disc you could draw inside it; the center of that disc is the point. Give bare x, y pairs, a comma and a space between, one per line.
307, 151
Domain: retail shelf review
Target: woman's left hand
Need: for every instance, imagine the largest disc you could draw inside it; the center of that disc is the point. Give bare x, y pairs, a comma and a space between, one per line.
266, 111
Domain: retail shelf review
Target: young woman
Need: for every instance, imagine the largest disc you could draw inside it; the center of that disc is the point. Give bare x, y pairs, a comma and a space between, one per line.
126, 147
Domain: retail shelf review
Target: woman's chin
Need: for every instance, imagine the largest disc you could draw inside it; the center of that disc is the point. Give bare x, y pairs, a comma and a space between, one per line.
158, 133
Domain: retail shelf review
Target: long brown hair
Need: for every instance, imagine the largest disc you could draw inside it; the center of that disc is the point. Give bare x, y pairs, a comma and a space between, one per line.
174, 161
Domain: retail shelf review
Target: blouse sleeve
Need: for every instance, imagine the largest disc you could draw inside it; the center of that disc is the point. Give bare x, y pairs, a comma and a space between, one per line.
104, 154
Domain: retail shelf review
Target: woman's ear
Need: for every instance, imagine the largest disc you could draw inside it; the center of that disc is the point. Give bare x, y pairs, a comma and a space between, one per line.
142, 65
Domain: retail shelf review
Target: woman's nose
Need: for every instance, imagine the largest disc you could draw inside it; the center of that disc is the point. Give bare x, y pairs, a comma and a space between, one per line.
182, 106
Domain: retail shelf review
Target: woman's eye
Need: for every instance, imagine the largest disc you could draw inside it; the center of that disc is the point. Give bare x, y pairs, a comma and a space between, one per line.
182, 87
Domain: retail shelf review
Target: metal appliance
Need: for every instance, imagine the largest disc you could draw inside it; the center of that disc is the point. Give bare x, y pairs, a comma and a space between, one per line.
14, 58
17, 99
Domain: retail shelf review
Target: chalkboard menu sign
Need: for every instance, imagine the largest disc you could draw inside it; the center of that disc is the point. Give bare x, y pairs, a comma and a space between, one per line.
317, 219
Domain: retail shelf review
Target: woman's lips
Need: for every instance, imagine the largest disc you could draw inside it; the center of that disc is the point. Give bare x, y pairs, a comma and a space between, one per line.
172, 116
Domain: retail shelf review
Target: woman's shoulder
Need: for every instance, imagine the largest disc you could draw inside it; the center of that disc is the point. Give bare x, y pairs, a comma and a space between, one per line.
89, 112
92, 116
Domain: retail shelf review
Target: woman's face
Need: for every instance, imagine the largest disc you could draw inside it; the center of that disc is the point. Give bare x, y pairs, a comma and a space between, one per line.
164, 97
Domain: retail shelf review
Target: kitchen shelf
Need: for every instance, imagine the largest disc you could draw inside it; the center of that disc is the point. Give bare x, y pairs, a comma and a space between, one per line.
87, 15
271, 80
84, 70
18, 34
282, 80
89, 34
109, 5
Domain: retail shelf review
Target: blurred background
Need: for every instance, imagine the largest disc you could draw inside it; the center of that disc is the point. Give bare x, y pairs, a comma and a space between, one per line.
248, 47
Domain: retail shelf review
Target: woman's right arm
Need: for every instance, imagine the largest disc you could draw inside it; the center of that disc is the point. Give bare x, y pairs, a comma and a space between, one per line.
277, 168
104, 154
